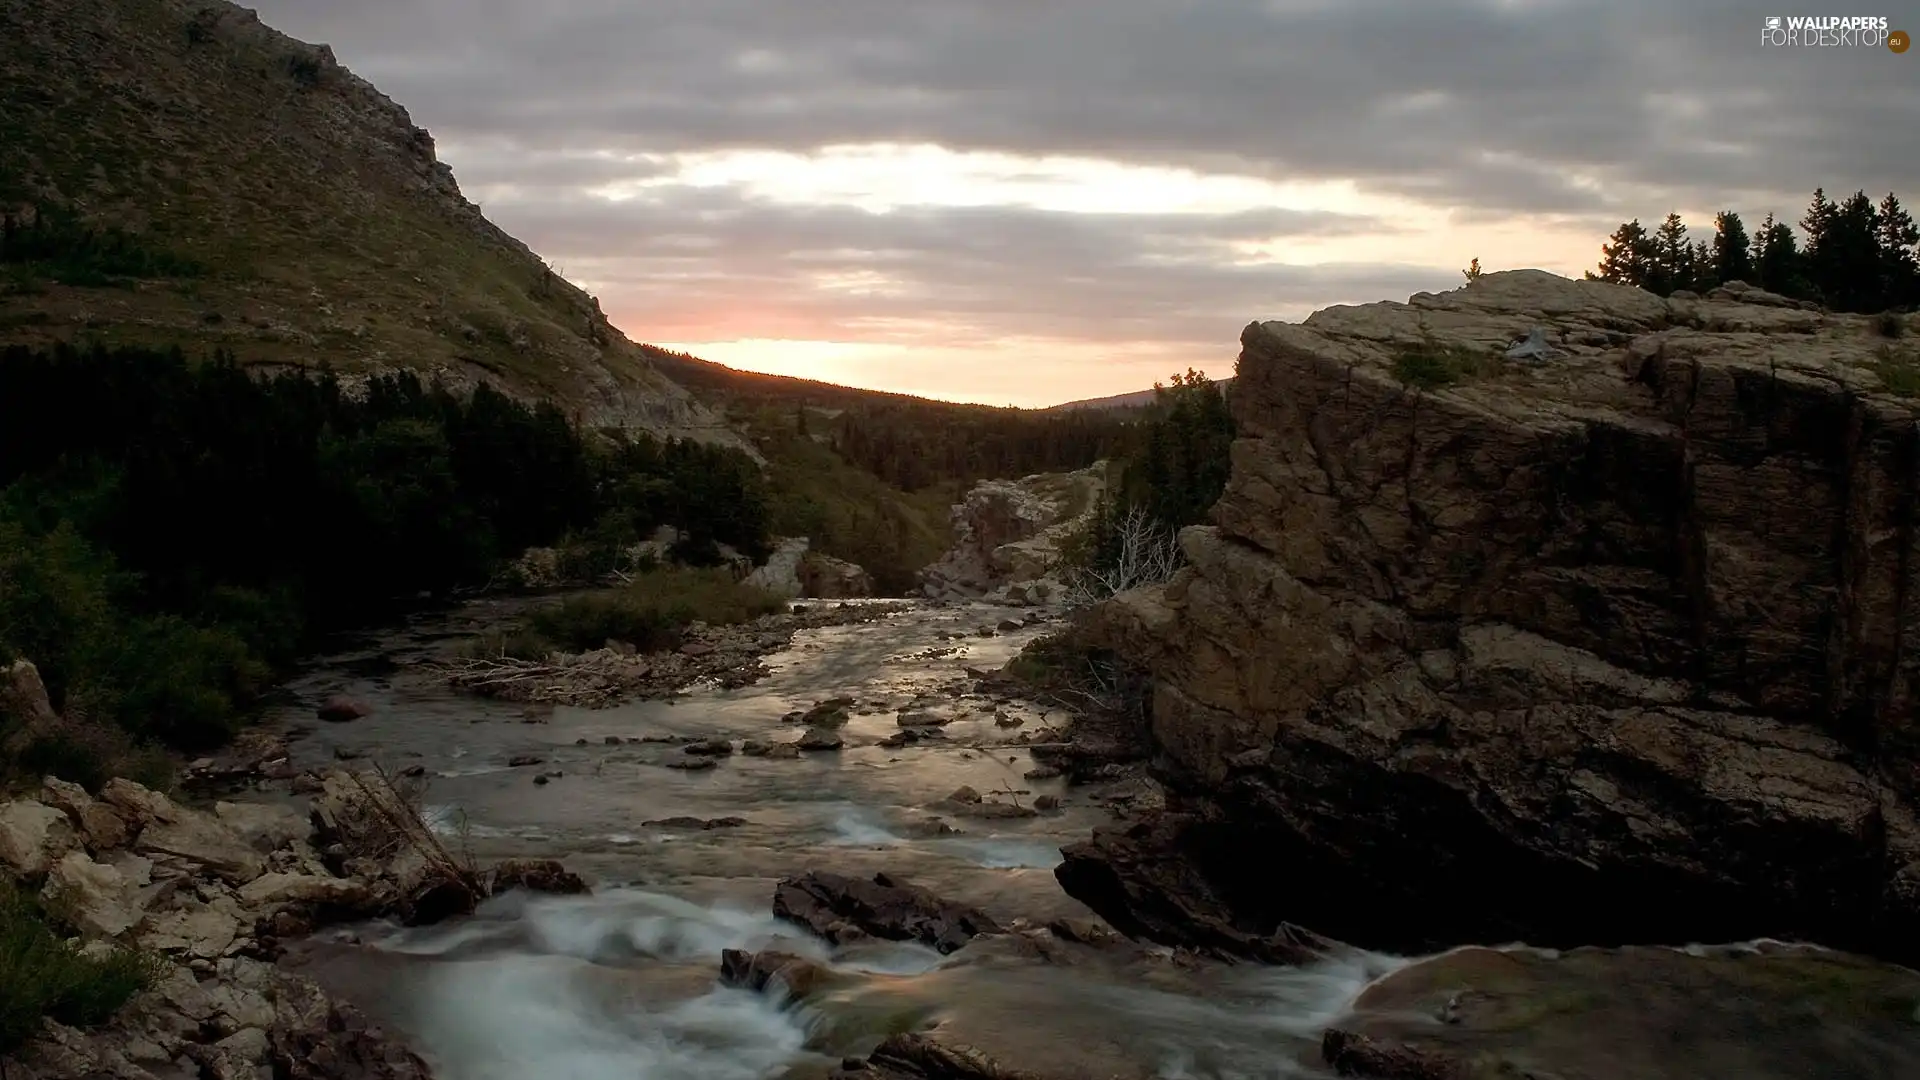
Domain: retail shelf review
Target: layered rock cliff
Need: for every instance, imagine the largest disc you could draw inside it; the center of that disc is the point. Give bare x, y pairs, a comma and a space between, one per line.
320, 222
1007, 535
1616, 645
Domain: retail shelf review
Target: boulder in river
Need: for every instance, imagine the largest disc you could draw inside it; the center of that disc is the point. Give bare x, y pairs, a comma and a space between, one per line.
340, 709
841, 908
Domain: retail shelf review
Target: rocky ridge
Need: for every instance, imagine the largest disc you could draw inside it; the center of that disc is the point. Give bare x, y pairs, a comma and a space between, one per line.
1612, 647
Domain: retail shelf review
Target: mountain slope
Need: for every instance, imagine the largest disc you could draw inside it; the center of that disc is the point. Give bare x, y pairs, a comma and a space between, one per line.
318, 222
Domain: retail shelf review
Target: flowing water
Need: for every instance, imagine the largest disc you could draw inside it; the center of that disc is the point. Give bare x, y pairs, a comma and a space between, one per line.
623, 983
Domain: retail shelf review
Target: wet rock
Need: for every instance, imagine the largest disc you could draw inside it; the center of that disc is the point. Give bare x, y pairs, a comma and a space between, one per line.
340, 709
1006, 720
612, 740
1124, 877
1350, 1054
921, 1057
772, 972
521, 761
820, 739
691, 764
921, 718
1044, 772
696, 648
1010, 624
535, 875
910, 737
710, 748
1046, 803
830, 713
695, 823
829, 904
964, 794
1082, 931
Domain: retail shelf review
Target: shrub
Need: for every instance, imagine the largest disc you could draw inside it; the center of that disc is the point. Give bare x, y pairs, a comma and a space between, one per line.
1899, 370
43, 975
1431, 365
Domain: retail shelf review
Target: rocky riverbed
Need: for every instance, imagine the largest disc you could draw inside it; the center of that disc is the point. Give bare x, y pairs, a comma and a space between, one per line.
880, 902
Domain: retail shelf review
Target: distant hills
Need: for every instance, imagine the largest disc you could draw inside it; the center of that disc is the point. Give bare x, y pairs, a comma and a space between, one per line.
1139, 399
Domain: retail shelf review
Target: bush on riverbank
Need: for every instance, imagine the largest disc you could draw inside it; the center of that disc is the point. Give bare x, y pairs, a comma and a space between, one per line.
172, 533
43, 975
649, 614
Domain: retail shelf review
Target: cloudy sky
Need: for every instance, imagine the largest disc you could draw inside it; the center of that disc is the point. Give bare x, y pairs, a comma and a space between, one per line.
1027, 201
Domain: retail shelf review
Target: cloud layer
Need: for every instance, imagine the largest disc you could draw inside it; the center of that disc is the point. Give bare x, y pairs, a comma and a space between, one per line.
1087, 178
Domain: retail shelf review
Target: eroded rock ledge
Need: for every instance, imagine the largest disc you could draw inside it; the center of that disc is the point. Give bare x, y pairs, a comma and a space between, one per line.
1612, 647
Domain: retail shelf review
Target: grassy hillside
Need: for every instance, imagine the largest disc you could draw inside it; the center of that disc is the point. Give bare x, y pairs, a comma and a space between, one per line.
263, 199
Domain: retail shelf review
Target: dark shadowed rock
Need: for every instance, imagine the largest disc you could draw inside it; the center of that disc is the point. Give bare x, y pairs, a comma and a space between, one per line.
340, 708
535, 875
832, 905
1354, 1055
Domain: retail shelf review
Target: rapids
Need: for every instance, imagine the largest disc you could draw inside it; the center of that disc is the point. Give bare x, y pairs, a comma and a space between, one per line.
623, 983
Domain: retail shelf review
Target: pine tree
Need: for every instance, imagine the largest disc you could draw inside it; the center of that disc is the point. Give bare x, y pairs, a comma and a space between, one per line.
1672, 257
1627, 256
1851, 257
1731, 258
1816, 255
1898, 239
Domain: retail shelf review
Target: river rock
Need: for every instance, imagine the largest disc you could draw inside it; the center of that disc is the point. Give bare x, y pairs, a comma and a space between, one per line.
770, 971
535, 875
340, 709
832, 904
1632, 622
1638, 1013
710, 748
819, 739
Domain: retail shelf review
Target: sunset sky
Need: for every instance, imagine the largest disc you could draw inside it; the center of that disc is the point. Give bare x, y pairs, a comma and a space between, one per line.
1029, 201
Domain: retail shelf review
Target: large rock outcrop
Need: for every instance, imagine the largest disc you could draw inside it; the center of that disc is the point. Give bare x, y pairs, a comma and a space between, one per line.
1613, 646
1008, 533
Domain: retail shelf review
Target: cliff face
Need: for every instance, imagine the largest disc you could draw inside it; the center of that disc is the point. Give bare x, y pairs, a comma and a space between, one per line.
1008, 534
325, 225
1618, 645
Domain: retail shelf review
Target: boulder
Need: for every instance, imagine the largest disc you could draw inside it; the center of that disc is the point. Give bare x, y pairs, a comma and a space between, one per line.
841, 909
1634, 621
99, 899
340, 709
33, 837
201, 841
771, 971
101, 827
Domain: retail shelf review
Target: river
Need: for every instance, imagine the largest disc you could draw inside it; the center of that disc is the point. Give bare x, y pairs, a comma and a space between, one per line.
623, 983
